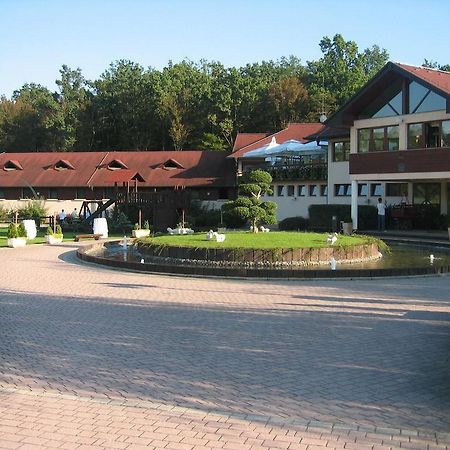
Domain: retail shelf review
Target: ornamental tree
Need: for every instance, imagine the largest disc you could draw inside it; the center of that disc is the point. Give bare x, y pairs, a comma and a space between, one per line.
249, 206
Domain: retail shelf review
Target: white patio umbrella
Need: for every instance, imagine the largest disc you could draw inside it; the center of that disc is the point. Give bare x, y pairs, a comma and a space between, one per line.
296, 148
263, 151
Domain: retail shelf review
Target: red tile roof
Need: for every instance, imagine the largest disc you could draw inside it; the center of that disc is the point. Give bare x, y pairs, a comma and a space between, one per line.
199, 168
437, 78
296, 131
244, 139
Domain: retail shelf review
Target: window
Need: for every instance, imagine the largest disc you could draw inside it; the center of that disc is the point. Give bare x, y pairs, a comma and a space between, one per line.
364, 140
396, 189
363, 190
387, 104
429, 134
301, 190
375, 190
290, 190
313, 190
422, 99
27, 193
378, 139
342, 190
53, 193
108, 192
80, 193
223, 193
2, 193
280, 190
117, 164
392, 138
323, 190
341, 151
427, 193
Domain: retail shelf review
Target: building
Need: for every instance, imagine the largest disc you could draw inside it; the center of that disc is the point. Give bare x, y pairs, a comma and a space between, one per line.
392, 140
297, 182
66, 180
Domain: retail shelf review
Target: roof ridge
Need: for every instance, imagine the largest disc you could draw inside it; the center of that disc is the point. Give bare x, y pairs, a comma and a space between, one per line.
420, 67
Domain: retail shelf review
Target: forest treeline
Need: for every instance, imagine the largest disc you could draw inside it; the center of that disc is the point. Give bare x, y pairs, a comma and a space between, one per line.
188, 105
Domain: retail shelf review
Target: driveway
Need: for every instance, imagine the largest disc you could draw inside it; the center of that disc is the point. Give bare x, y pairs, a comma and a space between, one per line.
107, 359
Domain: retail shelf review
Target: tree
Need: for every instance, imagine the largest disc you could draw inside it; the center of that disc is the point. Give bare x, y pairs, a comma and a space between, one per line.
288, 97
343, 69
73, 100
250, 207
434, 65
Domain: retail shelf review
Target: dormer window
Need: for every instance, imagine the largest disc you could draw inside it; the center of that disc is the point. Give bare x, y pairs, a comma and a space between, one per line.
12, 165
117, 164
63, 164
172, 164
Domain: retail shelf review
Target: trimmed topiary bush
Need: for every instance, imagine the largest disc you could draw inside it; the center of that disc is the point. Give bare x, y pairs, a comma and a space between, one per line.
21, 231
12, 231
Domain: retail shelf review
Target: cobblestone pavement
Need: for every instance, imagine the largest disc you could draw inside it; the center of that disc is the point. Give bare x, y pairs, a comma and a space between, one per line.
97, 358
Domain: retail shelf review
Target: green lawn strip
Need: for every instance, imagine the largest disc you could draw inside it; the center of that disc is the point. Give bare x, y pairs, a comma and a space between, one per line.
40, 239
257, 240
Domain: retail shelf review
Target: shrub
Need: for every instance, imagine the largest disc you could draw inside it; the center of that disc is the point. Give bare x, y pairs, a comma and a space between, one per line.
203, 217
3, 214
12, 231
49, 231
21, 231
293, 223
33, 209
146, 225
58, 230
119, 222
136, 226
321, 216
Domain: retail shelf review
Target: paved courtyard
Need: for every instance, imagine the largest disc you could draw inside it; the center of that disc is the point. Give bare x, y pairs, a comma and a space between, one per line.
97, 358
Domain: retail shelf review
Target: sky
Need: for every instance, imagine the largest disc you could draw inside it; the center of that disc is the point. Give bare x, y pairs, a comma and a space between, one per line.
38, 36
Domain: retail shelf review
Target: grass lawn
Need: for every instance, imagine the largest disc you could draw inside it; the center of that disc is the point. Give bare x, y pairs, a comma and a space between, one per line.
68, 236
280, 239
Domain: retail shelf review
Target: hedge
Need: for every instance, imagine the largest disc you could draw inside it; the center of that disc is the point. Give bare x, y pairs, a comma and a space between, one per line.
321, 216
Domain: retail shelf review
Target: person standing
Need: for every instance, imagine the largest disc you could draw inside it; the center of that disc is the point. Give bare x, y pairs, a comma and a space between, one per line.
381, 209
62, 216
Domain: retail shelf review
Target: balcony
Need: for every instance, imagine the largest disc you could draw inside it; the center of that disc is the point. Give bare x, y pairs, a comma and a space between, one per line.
304, 172
401, 161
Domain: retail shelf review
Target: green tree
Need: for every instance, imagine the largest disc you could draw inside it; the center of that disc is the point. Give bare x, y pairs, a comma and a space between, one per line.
250, 207
29, 121
434, 65
342, 70
288, 97
73, 99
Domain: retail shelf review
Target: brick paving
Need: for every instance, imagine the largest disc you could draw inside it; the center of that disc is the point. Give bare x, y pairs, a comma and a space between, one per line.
97, 358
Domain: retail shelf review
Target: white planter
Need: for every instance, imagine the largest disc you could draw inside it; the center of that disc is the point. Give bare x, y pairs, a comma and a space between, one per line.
52, 240
140, 233
17, 242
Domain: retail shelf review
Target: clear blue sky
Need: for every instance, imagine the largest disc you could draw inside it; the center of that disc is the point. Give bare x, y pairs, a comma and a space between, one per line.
38, 36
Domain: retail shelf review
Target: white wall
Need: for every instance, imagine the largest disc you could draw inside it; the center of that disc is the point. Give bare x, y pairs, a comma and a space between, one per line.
292, 206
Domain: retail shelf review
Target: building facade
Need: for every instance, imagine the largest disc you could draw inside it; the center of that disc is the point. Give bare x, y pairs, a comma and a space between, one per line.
398, 139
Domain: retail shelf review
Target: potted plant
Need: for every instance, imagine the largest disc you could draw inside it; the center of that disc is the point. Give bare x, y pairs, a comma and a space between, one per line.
16, 235
141, 232
55, 237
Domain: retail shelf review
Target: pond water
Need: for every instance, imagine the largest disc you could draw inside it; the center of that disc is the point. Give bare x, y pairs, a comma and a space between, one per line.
401, 256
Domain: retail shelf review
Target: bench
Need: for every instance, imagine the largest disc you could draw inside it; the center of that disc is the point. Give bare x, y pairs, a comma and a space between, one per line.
87, 236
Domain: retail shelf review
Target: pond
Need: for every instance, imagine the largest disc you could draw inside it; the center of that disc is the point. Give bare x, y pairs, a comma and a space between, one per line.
403, 260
